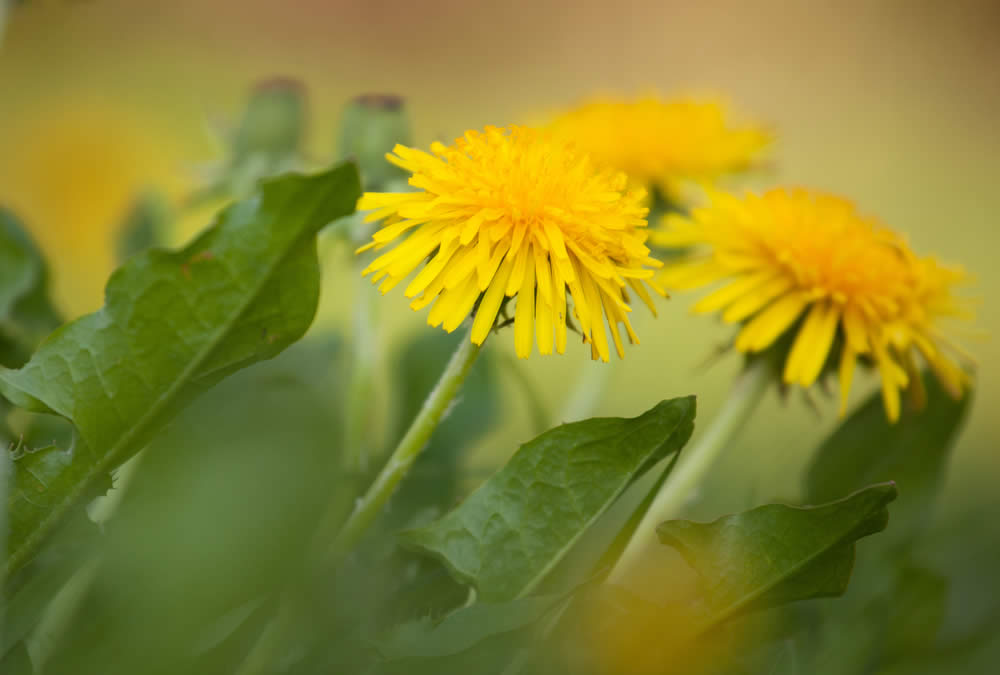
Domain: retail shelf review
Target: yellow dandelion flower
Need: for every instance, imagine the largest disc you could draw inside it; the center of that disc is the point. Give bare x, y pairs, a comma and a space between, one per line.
663, 143
509, 212
842, 286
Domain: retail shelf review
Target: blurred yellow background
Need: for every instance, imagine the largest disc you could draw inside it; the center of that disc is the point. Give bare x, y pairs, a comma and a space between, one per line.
892, 103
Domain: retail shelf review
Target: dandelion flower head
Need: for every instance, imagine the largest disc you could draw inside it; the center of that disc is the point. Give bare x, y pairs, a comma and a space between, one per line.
843, 287
662, 143
514, 212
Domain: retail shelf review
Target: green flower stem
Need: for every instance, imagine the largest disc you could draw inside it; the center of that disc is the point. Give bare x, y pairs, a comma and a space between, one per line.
682, 484
409, 448
361, 389
262, 655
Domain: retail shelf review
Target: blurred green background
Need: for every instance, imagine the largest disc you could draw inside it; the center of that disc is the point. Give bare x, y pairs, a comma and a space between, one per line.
892, 103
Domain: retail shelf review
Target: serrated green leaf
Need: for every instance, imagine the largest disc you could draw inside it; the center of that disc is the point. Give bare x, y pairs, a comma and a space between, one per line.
776, 554
913, 453
26, 314
174, 324
507, 535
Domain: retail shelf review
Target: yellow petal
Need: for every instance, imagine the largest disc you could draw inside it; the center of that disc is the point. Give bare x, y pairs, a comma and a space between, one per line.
542, 275
431, 269
466, 300
596, 333
559, 295
521, 258
732, 291
761, 331
812, 345
543, 325
524, 329
490, 305
641, 291
683, 276
756, 299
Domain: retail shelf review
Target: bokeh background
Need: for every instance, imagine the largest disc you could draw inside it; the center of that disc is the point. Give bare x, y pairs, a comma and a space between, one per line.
893, 103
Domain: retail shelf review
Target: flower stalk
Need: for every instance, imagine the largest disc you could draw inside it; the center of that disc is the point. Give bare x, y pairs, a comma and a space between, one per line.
370, 505
683, 482
406, 453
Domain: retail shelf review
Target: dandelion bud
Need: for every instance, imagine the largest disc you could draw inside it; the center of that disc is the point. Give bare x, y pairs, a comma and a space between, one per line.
371, 126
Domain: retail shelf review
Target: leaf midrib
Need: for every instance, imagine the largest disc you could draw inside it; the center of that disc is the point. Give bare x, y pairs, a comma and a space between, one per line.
734, 608
17, 557
558, 556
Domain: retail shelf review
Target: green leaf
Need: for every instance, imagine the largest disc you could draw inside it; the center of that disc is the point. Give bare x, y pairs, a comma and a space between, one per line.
920, 603
521, 522
174, 324
219, 513
464, 628
25, 312
913, 453
777, 554
144, 226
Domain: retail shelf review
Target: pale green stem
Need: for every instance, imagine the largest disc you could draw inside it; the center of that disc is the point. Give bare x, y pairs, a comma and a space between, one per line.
361, 389
409, 448
587, 392
682, 484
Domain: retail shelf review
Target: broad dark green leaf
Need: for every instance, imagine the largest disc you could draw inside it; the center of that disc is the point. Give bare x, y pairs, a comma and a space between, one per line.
174, 324
507, 535
777, 554
25, 312
895, 602
913, 453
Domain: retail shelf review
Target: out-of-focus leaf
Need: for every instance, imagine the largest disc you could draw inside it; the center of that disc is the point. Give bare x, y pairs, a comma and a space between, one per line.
16, 661
895, 604
507, 535
464, 628
145, 225
918, 610
26, 314
175, 323
777, 554
218, 516
913, 453
28, 594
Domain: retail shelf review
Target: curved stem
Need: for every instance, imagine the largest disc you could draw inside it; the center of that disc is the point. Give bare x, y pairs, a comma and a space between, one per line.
682, 484
269, 643
409, 448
